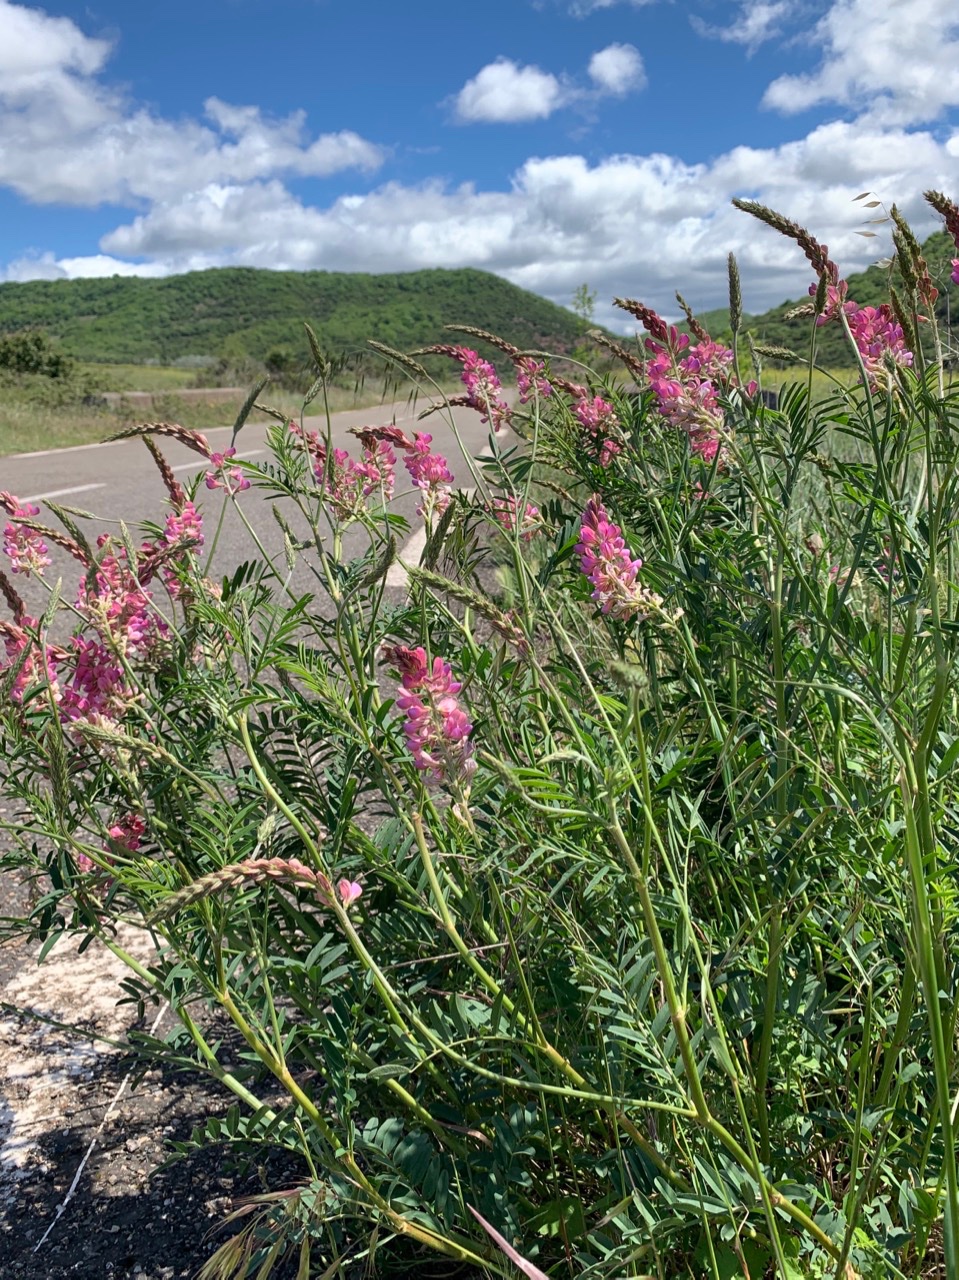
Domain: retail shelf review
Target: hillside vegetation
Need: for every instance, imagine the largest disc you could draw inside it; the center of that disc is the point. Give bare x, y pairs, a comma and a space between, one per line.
247, 314
868, 288
242, 313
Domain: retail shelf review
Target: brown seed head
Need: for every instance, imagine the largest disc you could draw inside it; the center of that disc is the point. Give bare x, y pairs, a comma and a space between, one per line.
174, 488
194, 440
949, 211
12, 597
647, 317
818, 254
485, 336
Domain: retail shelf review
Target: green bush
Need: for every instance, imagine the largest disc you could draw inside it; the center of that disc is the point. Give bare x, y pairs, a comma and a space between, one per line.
610, 925
30, 351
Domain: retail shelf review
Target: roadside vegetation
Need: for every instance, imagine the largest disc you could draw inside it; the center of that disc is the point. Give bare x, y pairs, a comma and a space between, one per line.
590, 910
48, 400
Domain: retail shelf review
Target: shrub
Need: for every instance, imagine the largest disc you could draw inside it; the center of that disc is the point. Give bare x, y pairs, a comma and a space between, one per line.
30, 351
607, 922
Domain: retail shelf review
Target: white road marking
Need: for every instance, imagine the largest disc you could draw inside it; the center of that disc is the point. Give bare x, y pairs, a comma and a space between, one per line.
110, 444
62, 493
72, 448
198, 466
397, 574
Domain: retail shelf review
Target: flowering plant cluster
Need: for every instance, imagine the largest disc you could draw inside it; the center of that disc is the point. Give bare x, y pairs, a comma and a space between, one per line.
607, 564
579, 910
523, 523
436, 727
483, 388
224, 476
689, 388
22, 545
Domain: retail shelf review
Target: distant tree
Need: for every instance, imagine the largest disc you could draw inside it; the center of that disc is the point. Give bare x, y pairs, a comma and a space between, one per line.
584, 303
281, 362
31, 351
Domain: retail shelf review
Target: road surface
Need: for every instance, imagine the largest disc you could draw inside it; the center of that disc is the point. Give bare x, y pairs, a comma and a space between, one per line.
119, 481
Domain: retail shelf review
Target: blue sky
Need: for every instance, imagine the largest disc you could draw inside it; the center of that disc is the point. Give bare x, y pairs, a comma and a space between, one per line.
555, 142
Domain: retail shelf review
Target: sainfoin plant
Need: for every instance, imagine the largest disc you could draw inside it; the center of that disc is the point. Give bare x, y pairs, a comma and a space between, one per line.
591, 910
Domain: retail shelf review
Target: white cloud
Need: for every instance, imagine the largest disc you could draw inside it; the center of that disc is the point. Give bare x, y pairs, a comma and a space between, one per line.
757, 22
617, 69
504, 92
34, 44
635, 224
68, 137
211, 192
895, 61
46, 266
582, 8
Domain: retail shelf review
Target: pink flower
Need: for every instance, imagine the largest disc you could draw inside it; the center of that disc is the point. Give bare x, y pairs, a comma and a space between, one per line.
431, 474
506, 511
25, 548
879, 336
184, 527
127, 833
345, 483
529, 380
688, 387
599, 418
378, 469
349, 891
606, 562
705, 444
437, 730
182, 533
118, 606
835, 301
223, 476
95, 691
483, 387
955, 271
16, 643
687, 399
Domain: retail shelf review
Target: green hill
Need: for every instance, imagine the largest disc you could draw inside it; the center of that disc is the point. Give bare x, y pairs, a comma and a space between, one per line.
868, 288
245, 312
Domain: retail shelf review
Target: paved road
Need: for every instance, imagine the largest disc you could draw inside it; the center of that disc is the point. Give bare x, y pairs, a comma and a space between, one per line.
119, 480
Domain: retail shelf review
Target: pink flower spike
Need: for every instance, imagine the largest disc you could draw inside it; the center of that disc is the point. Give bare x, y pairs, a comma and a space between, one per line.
378, 469
183, 526
598, 418
606, 562
437, 730
32, 668
530, 379
24, 547
430, 474
349, 891
96, 690
879, 336
483, 387
116, 603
